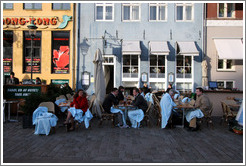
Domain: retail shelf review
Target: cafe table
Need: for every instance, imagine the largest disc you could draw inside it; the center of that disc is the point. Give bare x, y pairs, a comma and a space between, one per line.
125, 108
185, 107
9, 105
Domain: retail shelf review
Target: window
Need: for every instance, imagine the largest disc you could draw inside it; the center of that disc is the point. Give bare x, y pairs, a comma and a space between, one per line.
104, 12
157, 85
130, 66
36, 61
157, 12
7, 52
183, 87
60, 52
184, 12
225, 84
7, 5
226, 10
183, 66
226, 64
61, 6
32, 5
108, 60
131, 12
157, 66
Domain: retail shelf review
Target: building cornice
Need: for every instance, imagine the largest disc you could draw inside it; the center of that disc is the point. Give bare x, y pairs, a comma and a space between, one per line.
224, 23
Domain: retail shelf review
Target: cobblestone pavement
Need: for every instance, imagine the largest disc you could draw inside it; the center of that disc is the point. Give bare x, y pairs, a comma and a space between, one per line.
114, 145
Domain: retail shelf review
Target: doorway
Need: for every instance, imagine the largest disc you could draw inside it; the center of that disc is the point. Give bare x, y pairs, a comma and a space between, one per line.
109, 78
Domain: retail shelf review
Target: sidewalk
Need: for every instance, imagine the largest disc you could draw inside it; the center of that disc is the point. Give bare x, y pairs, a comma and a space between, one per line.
115, 145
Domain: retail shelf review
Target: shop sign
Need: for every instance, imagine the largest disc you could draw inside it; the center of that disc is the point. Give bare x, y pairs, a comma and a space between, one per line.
61, 60
39, 21
59, 81
20, 92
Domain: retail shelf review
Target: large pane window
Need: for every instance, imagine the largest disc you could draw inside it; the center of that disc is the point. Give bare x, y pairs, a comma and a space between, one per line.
184, 12
225, 64
183, 87
60, 52
131, 12
104, 11
32, 6
226, 10
130, 66
61, 6
7, 5
226, 84
36, 61
7, 52
183, 66
158, 12
157, 66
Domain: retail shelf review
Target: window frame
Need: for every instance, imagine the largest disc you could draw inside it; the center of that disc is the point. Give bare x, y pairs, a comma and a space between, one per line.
61, 6
158, 5
183, 66
224, 65
225, 82
184, 13
225, 10
131, 78
104, 5
32, 6
157, 79
131, 5
4, 6
11, 55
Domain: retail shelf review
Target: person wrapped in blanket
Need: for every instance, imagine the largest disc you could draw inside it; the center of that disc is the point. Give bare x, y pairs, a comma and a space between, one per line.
79, 110
202, 107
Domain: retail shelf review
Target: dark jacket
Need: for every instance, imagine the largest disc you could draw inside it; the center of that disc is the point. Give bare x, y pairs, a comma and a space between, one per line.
120, 96
13, 81
109, 101
140, 102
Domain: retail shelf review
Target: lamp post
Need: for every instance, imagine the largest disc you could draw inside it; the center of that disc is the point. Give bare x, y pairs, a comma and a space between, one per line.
32, 32
84, 49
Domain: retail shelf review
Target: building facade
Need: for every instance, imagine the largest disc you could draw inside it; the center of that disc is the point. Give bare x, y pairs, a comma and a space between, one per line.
53, 58
153, 43
224, 44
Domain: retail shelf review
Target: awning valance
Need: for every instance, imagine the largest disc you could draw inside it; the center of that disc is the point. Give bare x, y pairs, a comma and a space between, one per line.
229, 48
158, 48
187, 48
131, 47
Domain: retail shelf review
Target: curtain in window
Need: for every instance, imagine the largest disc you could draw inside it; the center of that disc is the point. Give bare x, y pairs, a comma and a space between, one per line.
109, 13
162, 12
135, 12
179, 12
221, 10
152, 12
126, 12
188, 12
229, 9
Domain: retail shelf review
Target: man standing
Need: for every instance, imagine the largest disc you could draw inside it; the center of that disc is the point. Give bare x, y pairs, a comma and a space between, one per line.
136, 116
202, 105
108, 103
12, 80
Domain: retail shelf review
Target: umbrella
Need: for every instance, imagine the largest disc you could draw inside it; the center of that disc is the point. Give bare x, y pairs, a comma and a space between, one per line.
204, 73
99, 84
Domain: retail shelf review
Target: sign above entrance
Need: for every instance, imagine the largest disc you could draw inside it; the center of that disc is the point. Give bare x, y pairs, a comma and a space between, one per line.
42, 22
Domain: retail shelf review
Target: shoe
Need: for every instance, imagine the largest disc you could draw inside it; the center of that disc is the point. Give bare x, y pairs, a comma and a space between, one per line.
192, 129
124, 126
71, 128
65, 123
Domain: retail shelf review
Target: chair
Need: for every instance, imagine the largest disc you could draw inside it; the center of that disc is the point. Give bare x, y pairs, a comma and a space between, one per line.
146, 115
155, 99
69, 96
230, 98
61, 97
208, 117
158, 108
19, 105
106, 116
227, 112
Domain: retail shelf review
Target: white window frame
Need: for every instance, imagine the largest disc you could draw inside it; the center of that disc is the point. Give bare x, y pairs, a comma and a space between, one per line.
225, 10
129, 78
225, 81
158, 5
183, 82
159, 79
224, 65
104, 5
184, 13
131, 5
113, 64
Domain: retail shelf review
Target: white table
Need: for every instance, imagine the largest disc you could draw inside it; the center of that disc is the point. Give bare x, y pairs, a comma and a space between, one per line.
9, 105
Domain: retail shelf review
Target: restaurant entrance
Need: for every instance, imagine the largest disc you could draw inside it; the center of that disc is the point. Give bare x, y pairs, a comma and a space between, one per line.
109, 77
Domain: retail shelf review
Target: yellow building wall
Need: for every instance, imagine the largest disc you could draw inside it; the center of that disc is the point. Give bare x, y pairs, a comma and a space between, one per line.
46, 42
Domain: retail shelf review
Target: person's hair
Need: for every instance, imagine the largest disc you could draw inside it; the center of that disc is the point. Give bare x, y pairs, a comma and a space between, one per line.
12, 73
38, 78
114, 89
136, 89
121, 87
141, 89
200, 89
77, 93
171, 92
171, 85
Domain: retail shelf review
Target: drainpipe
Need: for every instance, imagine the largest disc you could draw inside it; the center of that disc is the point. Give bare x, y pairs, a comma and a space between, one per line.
73, 57
77, 41
205, 30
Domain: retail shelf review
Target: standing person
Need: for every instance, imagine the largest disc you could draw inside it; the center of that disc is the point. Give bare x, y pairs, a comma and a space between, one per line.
38, 81
108, 103
169, 87
167, 105
79, 109
12, 80
136, 116
202, 105
120, 94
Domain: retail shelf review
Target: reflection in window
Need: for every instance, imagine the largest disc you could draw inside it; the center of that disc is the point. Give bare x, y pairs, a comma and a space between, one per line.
32, 5
157, 66
184, 87
225, 64
7, 52
130, 66
157, 12
131, 12
7, 5
104, 12
183, 66
61, 6
184, 12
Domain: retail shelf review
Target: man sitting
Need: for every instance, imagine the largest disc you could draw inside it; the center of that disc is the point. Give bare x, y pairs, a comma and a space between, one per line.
108, 103
167, 105
202, 105
136, 116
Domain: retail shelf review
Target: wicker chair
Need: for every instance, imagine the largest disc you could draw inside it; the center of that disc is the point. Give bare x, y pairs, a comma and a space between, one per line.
146, 115
106, 116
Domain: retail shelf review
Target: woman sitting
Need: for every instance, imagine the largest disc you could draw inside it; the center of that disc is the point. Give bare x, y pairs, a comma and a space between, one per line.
79, 110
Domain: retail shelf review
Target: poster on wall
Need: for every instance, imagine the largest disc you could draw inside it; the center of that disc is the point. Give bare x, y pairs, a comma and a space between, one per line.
7, 66
35, 65
61, 60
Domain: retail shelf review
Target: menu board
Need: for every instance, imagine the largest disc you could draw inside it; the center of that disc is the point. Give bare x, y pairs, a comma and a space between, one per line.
7, 65
35, 65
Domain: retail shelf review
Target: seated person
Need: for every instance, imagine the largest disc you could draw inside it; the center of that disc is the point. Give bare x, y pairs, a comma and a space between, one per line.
108, 103
202, 105
12, 80
79, 110
167, 105
136, 116
141, 91
120, 95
